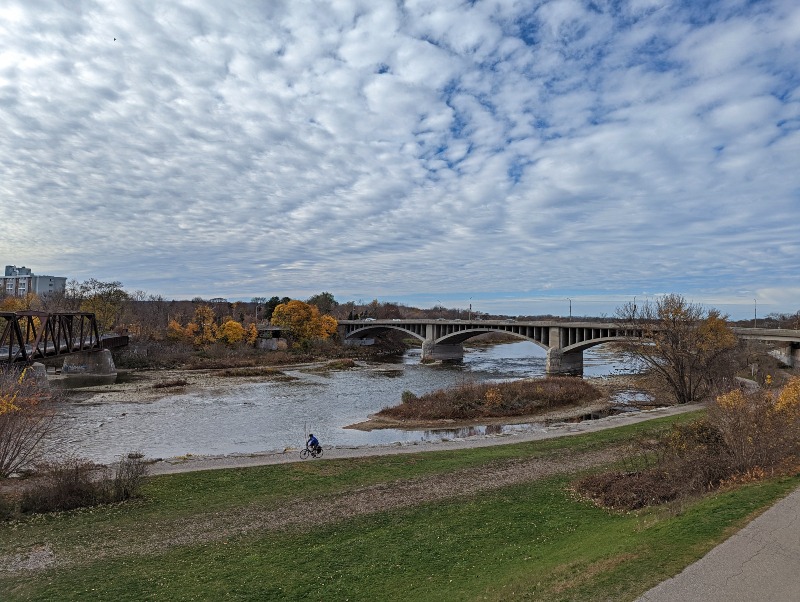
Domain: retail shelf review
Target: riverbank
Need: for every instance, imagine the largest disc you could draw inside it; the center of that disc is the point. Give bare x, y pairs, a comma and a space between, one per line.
496, 522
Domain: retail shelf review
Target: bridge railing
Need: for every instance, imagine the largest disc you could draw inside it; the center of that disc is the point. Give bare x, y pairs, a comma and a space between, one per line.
30, 335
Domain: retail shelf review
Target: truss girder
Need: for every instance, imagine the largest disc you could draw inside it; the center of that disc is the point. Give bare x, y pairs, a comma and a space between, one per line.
31, 335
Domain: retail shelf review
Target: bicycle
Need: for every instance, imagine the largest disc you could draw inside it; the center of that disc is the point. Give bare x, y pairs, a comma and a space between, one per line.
314, 453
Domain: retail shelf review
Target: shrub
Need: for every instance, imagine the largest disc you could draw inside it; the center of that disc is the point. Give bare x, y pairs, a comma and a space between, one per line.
744, 435
477, 400
759, 428
628, 491
76, 483
130, 474
408, 397
26, 418
63, 485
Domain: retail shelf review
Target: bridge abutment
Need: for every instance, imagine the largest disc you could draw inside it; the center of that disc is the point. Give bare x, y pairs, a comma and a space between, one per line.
89, 362
434, 351
789, 355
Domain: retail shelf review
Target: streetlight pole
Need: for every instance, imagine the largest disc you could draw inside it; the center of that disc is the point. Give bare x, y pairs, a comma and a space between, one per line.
755, 313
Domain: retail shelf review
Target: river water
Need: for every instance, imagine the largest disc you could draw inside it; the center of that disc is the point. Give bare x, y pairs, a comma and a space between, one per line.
272, 416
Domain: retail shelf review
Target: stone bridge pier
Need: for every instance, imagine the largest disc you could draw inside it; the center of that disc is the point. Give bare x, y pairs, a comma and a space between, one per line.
559, 361
439, 351
431, 350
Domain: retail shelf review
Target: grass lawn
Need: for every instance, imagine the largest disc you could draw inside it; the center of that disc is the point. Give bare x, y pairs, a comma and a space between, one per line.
531, 541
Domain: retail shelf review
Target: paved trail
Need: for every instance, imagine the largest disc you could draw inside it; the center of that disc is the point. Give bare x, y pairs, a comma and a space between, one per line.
760, 562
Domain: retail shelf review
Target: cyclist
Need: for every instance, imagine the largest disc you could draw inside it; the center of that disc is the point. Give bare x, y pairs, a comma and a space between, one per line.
313, 443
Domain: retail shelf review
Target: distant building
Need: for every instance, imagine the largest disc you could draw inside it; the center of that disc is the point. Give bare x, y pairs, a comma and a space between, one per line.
18, 282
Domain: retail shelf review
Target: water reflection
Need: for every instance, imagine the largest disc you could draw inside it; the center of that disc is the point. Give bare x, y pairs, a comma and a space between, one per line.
272, 416
488, 430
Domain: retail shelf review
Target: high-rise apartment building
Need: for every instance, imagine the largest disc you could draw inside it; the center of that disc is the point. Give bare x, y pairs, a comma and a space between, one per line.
18, 282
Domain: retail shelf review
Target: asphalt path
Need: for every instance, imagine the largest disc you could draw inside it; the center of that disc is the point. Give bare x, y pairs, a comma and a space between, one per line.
760, 562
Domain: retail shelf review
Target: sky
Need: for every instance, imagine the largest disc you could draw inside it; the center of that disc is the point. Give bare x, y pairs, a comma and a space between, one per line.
521, 157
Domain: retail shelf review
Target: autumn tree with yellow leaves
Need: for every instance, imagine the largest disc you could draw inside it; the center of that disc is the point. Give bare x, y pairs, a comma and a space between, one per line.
204, 325
202, 330
688, 350
231, 332
12, 303
303, 321
25, 419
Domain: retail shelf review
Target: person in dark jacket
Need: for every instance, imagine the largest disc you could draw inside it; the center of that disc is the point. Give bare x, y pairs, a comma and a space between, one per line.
313, 443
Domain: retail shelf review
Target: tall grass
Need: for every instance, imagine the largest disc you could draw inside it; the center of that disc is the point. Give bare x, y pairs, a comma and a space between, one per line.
480, 400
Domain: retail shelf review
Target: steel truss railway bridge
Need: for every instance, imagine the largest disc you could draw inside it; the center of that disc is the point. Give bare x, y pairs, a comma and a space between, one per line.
29, 336
564, 342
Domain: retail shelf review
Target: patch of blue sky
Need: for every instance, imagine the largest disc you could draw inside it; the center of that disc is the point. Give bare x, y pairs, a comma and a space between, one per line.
526, 28
516, 168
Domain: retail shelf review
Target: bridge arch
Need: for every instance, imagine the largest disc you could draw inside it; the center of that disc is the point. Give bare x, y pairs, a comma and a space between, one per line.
368, 331
461, 337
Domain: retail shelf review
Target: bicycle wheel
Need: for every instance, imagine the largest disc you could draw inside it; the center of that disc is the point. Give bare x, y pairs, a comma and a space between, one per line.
304, 454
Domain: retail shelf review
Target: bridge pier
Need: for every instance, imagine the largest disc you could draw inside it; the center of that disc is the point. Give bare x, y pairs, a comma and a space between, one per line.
89, 362
38, 372
560, 363
432, 351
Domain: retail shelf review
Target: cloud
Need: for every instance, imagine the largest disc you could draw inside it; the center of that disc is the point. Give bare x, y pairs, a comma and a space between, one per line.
424, 148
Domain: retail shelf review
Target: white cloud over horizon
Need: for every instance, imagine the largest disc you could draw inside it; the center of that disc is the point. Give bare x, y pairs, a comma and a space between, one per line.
496, 150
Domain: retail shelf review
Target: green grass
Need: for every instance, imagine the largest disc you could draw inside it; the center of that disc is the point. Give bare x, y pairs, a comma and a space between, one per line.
533, 541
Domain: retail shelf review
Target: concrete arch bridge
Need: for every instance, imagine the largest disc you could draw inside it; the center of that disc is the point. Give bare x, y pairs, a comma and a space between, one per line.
564, 342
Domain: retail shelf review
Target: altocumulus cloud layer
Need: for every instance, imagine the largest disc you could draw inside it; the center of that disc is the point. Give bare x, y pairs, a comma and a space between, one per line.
396, 149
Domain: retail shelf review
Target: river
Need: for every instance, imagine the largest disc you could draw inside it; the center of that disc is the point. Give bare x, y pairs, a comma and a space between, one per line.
244, 418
